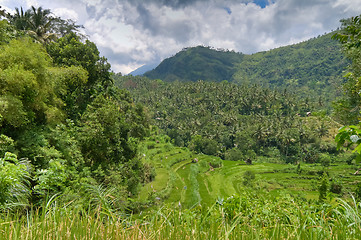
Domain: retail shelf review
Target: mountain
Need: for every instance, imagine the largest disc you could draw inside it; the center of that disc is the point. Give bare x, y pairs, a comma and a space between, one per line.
193, 64
313, 68
143, 69
317, 57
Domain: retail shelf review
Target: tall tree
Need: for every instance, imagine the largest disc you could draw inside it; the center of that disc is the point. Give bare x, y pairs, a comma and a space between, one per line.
350, 37
20, 19
26, 90
41, 24
71, 51
2, 12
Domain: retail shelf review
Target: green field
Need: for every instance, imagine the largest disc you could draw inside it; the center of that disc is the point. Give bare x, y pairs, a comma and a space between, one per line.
183, 181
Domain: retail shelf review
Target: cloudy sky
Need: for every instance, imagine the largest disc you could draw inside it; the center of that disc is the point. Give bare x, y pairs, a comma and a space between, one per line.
131, 33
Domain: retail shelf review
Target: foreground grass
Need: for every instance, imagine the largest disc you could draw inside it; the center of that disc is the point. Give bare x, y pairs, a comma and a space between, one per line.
194, 200
252, 216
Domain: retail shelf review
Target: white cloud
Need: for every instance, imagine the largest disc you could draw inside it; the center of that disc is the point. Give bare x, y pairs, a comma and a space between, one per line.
349, 5
66, 13
131, 33
125, 68
34, 3
158, 31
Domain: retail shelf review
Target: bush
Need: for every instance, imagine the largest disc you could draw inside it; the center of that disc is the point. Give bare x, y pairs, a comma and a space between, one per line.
203, 145
273, 152
216, 163
325, 159
323, 188
233, 154
249, 157
53, 179
14, 180
6, 144
358, 191
149, 173
350, 159
248, 178
151, 145
329, 147
336, 186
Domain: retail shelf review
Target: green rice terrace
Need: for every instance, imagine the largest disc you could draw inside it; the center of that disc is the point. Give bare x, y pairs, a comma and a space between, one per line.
187, 179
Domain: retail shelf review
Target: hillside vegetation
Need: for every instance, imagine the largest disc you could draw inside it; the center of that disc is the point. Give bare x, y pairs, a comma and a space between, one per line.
235, 122
312, 68
198, 63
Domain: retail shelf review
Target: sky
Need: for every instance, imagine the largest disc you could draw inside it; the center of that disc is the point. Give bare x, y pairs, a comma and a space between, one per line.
132, 33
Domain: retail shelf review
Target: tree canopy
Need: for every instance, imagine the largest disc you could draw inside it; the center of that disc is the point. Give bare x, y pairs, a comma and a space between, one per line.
61, 115
41, 24
350, 37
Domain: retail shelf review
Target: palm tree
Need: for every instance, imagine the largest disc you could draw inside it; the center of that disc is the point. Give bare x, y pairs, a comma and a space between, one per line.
41, 24
2, 12
20, 19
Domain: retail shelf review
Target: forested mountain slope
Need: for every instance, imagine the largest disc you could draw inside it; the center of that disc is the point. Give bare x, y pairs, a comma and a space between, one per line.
198, 63
312, 68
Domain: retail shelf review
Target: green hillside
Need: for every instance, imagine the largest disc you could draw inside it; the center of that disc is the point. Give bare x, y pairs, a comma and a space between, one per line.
312, 68
198, 63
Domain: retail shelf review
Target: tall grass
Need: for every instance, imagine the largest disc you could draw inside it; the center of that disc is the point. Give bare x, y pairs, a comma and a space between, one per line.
246, 217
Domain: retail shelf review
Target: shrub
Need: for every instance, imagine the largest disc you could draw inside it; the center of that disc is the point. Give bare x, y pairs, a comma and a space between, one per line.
151, 145
325, 159
53, 179
149, 173
14, 180
336, 186
329, 147
203, 145
216, 163
273, 152
350, 158
248, 178
358, 191
249, 157
323, 188
233, 154
6, 144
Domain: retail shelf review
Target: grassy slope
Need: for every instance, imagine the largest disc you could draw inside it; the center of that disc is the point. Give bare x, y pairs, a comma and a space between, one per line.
180, 181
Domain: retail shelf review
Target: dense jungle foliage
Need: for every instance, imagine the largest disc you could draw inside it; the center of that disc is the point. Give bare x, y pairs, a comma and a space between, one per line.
64, 126
89, 154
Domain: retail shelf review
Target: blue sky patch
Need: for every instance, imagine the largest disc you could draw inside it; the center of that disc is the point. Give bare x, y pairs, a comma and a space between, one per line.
229, 11
263, 3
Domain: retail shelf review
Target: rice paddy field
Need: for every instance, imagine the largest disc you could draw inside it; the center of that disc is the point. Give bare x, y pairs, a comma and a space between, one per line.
187, 179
